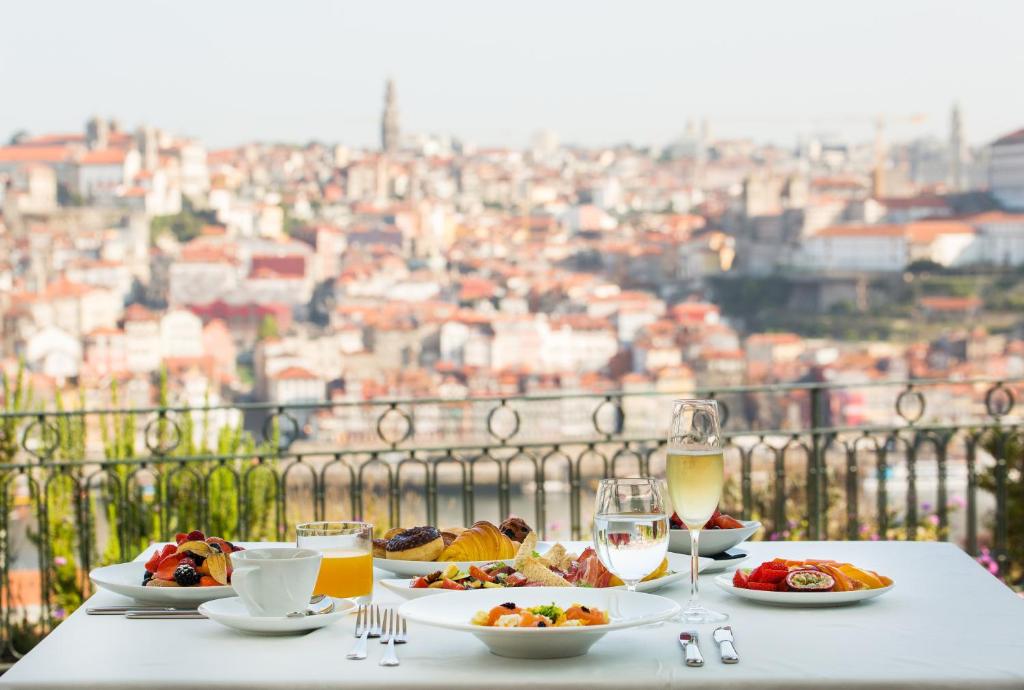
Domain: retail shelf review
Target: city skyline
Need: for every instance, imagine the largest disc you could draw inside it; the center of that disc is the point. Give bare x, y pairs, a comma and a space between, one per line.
610, 81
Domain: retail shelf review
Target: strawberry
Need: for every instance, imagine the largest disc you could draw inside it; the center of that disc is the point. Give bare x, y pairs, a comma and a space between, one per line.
451, 584
726, 522
167, 567
775, 565
180, 537
676, 522
195, 535
153, 562
710, 524
774, 576
755, 576
739, 579
763, 586
420, 583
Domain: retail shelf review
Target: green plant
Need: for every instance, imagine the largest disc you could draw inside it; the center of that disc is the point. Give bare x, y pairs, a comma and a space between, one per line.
1009, 444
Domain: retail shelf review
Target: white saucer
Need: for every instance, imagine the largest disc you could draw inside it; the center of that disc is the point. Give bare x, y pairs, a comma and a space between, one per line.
232, 613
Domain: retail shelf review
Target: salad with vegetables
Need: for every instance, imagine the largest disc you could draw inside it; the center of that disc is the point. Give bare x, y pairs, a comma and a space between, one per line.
490, 576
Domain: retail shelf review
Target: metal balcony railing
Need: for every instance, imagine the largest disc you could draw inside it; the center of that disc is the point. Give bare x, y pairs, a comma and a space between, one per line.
859, 460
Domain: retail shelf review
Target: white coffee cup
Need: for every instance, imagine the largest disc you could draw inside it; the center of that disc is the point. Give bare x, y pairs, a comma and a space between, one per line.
275, 582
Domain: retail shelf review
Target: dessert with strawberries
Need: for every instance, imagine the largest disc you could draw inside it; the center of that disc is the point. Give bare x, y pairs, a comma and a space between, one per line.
811, 575
194, 560
719, 520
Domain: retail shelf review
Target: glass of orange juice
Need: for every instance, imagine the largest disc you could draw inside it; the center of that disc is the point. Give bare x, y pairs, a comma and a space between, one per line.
347, 566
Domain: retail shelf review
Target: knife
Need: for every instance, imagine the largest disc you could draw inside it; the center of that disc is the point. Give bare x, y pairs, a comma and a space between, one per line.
167, 613
691, 646
118, 610
723, 636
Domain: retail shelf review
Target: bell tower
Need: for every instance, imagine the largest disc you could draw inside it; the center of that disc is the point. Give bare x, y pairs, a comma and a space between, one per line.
389, 120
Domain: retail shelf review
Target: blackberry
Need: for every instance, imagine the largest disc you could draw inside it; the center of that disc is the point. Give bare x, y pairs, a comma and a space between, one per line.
185, 575
146, 577
508, 605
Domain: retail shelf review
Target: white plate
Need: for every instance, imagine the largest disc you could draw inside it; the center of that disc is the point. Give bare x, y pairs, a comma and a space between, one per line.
418, 568
800, 599
455, 610
712, 541
678, 566
126, 579
232, 613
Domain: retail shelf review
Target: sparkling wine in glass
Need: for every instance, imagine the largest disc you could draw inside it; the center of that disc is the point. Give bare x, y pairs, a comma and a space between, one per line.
695, 472
631, 527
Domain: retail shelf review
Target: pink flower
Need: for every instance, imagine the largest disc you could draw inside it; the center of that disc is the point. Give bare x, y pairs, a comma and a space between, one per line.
59, 561
933, 520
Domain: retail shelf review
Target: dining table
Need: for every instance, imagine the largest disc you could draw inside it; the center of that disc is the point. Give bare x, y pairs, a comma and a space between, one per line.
947, 623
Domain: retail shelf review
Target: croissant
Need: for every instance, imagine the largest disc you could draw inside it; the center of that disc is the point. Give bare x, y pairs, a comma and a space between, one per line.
481, 542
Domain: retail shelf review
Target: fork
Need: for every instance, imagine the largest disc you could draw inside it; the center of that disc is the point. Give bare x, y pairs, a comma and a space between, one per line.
400, 637
363, 626
390, 658
375, 627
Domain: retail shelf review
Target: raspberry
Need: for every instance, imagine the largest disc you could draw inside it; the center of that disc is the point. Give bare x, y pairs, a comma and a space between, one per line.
185, 575
187, 561
195, 535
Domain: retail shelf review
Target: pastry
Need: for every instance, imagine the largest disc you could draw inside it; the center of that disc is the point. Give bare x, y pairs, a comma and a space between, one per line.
450, 534
380, 549
515, 528
394, 531
481, 542
415, 544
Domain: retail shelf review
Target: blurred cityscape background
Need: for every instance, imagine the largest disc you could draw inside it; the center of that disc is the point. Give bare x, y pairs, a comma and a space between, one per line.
291, 216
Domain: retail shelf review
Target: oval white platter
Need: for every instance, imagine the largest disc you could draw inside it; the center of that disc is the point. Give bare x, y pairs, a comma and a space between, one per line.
126, 579
455, 611
800, 599
678, 566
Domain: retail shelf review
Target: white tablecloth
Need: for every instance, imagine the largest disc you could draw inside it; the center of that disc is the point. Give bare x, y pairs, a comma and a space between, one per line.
947, 624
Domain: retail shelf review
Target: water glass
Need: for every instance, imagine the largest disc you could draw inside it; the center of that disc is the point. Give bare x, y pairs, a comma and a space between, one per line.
631, 527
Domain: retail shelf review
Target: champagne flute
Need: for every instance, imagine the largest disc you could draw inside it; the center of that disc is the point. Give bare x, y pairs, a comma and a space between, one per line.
695, 477
631, 527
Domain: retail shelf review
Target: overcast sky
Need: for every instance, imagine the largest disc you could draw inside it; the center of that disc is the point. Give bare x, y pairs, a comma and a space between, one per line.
493, 73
